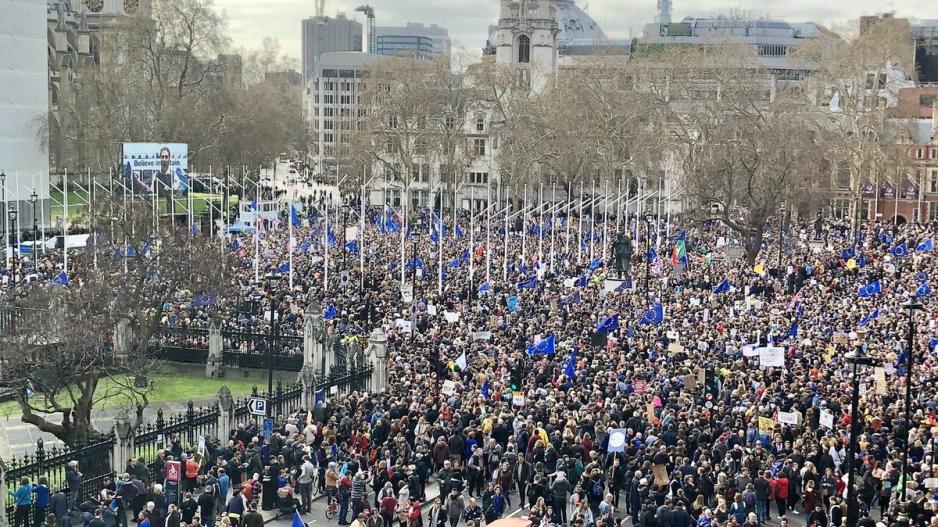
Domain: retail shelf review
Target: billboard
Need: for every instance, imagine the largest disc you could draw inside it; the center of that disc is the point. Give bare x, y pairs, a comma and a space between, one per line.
156, 167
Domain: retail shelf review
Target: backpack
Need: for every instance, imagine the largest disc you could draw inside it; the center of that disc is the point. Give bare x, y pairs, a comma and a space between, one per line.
597, 489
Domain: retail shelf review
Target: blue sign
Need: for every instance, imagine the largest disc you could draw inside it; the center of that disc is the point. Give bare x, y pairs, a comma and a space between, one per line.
268, 428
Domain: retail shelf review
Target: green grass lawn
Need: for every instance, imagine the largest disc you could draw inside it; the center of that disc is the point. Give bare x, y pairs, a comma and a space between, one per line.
78, 205
167, 387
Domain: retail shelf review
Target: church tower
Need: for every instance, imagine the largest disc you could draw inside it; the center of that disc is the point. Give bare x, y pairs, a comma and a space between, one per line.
526, 39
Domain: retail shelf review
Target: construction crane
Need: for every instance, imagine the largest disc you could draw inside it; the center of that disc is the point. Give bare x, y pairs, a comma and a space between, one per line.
320, 8
370, 14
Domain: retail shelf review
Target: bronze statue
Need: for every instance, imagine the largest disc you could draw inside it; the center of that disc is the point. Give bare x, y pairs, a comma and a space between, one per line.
622, 249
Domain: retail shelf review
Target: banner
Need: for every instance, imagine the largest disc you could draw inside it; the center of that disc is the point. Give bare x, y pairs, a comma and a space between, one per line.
789, 418
772, 357
145, 164
766, 425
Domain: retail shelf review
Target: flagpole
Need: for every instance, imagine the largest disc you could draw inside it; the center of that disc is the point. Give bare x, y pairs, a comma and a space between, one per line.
124, 228
605, 218
667, 225
291, 241
540, 223
64, 223
488, 230
471, 237
505, 240
325, 244
42, 224
553, 195
638, 210
579, 233
210, 202
440, 234
619, 204
524, 227
404, 234
257, 229
592, 231
92, 221
361, 234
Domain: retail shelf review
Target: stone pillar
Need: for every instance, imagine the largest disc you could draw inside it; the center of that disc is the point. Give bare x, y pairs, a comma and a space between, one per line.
378, 356
123, 335
214, 367
313, 334
226, 415
123, 442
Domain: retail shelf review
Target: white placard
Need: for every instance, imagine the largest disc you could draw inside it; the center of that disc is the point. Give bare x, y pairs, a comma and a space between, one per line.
771, 357
750, 350
431, 310
788, 418
827, 419
517, 399
405, 325
451, 316
482, 335
449, 387
407, 293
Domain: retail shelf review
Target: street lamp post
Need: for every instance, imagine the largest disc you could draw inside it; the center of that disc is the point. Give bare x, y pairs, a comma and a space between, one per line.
272, 280
781, 225
12, 234
911, 308
856, 358
33, 198
648, 220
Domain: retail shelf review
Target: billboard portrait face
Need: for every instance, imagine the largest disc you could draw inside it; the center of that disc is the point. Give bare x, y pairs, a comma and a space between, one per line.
157, 167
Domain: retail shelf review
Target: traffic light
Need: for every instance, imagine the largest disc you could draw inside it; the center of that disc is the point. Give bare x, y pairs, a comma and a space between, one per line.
517, 374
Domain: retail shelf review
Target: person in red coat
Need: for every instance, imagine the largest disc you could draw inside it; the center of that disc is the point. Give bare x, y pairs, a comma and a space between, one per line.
780, 491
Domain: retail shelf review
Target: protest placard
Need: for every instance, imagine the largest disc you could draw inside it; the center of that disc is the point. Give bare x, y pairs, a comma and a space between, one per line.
827, 419
771, 356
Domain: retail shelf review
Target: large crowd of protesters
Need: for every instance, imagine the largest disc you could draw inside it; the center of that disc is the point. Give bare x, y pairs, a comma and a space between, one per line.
581, 401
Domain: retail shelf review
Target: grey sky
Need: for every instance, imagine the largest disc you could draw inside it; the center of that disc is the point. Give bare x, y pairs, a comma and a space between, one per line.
468, 20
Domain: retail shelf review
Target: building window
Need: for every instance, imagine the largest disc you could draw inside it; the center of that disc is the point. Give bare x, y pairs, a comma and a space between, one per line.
480, 124
346, 99
840, 208
480, 178
524, 49
394, 196
328, 99
327, 112
327, 138
843, 176
919, 153
449, 122
772, 50
933, 181
478, 147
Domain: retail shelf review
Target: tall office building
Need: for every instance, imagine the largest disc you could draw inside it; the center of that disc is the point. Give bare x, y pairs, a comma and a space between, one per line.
413, 40
327, 34
24, 76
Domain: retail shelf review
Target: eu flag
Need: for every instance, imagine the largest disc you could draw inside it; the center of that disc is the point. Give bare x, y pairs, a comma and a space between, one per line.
923, 290
608, 324
871, 289
925, 246
352, 247
61, 279
485, 288
900, 251
294, 216
544, 347
284, 267
512, 304
595, 264
654, 315
530, 283
580, 282
329, 313
723, 286
570, 369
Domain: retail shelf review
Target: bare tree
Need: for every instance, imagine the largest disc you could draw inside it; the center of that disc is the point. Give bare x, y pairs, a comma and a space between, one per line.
66, 343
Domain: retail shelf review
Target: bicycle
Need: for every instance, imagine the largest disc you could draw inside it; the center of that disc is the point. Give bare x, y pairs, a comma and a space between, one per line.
332, 508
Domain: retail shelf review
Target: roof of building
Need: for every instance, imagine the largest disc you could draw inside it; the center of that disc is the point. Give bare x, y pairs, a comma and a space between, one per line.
575, 24
347, 59
920, 131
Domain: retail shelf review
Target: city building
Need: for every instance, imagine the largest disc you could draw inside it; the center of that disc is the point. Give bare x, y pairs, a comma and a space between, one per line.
331, 102
925, 35
323, 34
413, 40
24, 105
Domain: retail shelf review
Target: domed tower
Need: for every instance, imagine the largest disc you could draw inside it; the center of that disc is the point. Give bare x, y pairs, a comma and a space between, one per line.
530, 34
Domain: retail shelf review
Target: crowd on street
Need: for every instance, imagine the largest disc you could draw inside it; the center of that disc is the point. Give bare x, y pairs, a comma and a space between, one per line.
703, 391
